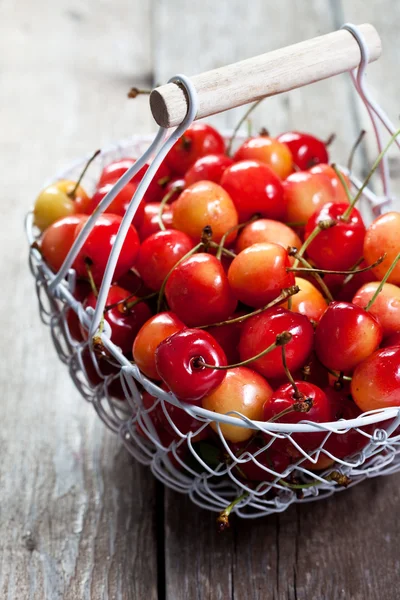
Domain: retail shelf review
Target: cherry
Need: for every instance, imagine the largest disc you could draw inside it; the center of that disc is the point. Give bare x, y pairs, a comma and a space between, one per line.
376, 380
210, 167
391, 340
267, 230
198, 140
260, 331
114, 170
269, 151
96, 375
198, 292
97, 247
75, 192
345, 336
124, 320
344, 288
305, 149
269, 458
150, 222
159, 253
259, 273
386, 306
285, 400
154, 193
254, 189
308, 301
243, 390
338, 189
82, 290
57, 240
341, 246
305, 193
152, 333
228, 337
131, 282
205, 204
174, 189
179, 361
384, 234
120, 203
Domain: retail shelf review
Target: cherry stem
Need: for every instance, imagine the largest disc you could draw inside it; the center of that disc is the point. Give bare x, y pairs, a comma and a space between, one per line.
382, 283
281, 339
339, 174
322, 225
240, 123
72, 193
354, 149
128, 305
374, 167
164, 283
249, 127
135, 92
88, 265
163, 202
314, 273
352, 271
231, 230
302, 405
296, 394
263, 132
297, 224
330, 140
339, 375
223, 517
284, 295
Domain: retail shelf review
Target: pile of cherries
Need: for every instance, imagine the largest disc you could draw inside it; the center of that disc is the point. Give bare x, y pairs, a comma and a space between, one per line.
248, 283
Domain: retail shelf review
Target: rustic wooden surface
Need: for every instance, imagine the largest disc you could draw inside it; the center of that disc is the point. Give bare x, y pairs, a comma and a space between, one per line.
78, 518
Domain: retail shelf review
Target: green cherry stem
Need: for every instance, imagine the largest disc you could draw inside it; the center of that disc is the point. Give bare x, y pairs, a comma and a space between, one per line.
352, 271
336, 374
382, 283
72, 193
322, 225
342, 180
164, 283
356, 144
281, 339
231, 230
240, 123
163, 202
284, 295
314, 273
223, 517
296, 394
88, 265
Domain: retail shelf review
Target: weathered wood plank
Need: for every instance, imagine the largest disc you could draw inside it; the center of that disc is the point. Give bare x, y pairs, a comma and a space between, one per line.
65, 71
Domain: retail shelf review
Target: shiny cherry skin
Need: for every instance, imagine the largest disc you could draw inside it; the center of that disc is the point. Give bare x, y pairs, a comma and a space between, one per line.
308, 301
198, 140
306, 149
376, 380
259, 274
341, 246
259, 332
50, 206
254, 189
114, 170
159, 253
320, 412
120, 204
177, 184
338, 189
228, 337
97, 248
198, 291
386, 306
178, 362
205, 204
305, 193
124, 322
267, 150
269, 458
345, 336
57, 240
383, 236
80, 197
151, 334
267, 230
150, 219
243, 390
81, 292
154, 193
208, 168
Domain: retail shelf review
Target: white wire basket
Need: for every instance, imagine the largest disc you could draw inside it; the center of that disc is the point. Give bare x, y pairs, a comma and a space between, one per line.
211, 471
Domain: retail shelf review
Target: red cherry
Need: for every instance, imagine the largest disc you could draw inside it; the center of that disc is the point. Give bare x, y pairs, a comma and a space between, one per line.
198, 291
267, 230
383, 236
178, 363
347, 291
392, 340
376, 380
260, 331
305, 193
112, 172
285, 398
345, 336
199, 140
152, 333
150, 219
259, 273
269, 458
254, 188
338, 189
306, 149
159, 253
386, 306
341, 246
98, 246
120, 204
96, 375
82, 290
131, 282
210, 168
177, 184
269, 151
57, 240
228, 337
125, 322
308, 301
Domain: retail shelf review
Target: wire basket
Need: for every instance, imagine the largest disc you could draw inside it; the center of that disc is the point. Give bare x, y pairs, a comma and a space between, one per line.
212, 473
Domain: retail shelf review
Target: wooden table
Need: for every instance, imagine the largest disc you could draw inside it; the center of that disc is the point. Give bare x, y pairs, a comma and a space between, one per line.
78, 518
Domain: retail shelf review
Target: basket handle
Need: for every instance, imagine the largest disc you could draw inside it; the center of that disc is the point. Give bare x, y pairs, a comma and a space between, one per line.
265, 75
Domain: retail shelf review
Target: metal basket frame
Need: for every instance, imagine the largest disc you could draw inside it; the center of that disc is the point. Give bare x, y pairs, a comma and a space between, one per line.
213, 486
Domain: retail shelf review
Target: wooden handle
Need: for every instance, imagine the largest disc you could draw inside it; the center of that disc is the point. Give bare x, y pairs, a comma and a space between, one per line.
265, 75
